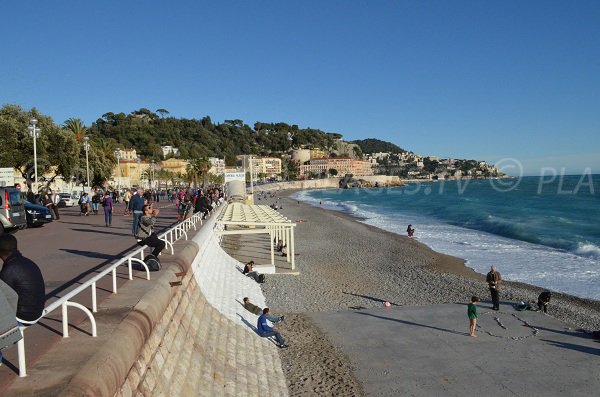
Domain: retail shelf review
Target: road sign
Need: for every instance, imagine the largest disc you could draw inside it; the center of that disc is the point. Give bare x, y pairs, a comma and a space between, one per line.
7, 177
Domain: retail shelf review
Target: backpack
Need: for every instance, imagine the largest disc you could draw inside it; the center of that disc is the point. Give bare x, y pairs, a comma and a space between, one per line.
152, 262
261, 278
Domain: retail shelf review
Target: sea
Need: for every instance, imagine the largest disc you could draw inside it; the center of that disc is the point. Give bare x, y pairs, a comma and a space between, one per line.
543, 231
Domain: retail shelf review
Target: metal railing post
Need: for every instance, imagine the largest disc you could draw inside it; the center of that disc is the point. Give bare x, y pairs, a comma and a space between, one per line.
21, 352
94, 305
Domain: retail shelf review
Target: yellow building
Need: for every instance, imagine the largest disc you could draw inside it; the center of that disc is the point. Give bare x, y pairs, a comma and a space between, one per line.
174, 165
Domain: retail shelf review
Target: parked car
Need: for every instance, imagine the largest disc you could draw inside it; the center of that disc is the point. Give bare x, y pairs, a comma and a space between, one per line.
37, 215
65, 200
12, 211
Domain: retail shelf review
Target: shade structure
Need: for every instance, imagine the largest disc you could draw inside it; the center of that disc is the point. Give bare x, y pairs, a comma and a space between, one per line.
238, 218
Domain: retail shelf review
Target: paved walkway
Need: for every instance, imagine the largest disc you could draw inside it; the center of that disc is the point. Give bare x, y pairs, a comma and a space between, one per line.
69, 251
426, 351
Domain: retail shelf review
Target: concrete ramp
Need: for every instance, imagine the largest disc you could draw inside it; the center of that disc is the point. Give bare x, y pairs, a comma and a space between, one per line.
426, 351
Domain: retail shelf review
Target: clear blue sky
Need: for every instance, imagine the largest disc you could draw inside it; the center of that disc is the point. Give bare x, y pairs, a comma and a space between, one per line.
461, 79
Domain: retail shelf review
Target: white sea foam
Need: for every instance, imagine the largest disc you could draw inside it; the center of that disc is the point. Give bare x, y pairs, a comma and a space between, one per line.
576, 273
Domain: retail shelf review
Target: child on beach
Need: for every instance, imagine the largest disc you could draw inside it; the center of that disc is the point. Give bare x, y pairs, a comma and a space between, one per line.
472, 313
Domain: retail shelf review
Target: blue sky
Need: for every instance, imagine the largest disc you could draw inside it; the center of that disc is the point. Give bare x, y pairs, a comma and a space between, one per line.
463, 79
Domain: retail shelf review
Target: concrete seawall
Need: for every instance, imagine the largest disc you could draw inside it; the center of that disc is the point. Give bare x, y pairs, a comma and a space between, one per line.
190, 347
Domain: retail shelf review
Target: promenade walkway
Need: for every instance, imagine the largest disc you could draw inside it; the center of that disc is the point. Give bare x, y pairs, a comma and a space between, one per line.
68, 252
198, 346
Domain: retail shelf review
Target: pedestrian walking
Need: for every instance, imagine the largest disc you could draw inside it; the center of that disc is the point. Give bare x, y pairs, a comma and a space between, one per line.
136, 206
107, 206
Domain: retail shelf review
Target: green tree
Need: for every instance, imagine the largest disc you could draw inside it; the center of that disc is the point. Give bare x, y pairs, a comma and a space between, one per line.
56, 150
162, 112
333, 172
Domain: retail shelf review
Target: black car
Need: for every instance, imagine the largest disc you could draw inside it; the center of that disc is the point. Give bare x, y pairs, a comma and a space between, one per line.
37, 215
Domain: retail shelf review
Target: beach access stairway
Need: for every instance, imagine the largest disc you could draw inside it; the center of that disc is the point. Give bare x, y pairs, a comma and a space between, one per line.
188, 335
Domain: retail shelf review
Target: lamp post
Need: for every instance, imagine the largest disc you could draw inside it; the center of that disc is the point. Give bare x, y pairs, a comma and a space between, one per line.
34, 131
118, 156
152, 176
251, 178
86, 146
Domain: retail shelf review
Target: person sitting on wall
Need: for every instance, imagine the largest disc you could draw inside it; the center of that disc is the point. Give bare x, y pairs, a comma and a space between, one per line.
252, 308
250, 272
145, 234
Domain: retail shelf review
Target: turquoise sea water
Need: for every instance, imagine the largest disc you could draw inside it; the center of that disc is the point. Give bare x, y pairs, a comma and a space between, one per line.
539, 230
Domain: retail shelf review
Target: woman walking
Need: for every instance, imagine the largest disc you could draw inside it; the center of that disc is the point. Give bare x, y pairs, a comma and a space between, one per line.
107, 205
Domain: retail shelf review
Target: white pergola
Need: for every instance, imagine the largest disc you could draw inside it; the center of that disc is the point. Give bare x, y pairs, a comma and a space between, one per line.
259, 219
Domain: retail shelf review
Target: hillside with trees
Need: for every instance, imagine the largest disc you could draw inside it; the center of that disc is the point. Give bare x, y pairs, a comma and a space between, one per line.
147, 132
372, 145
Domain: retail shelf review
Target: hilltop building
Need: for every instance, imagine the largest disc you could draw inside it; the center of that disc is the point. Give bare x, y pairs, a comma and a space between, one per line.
167, 150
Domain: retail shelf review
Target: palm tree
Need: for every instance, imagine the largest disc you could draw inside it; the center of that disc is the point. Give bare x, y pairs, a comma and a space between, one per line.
198, 168
77, 127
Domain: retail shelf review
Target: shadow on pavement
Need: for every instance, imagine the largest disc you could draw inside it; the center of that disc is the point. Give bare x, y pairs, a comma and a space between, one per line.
572, 346
88, 254
412, 323
102, 232
371, 298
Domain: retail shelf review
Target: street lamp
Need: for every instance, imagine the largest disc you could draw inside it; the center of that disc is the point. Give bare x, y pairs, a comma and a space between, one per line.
86, 146
251, 178
152, 180
118, 156
34, 131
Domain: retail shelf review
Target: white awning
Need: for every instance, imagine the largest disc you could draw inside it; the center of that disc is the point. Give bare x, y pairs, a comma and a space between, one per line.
263, 219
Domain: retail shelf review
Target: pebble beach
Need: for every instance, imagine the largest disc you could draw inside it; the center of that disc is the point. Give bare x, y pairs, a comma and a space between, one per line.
344, 264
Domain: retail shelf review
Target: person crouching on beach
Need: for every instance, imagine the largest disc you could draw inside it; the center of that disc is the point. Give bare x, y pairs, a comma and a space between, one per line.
544, 301
472, 313
410, 230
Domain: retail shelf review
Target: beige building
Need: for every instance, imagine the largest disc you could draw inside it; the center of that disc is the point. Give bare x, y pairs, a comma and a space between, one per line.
218, 166
174, 165
128, 154
129, 173
270, 167
342, 165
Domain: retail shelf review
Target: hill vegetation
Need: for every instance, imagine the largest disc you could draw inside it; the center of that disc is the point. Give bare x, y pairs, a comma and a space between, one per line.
372, 145
147, 132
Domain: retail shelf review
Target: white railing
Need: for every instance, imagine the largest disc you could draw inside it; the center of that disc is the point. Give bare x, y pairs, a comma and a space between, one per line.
170, 237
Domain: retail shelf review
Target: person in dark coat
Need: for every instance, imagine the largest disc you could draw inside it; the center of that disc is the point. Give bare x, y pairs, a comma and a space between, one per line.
544, 300
25, 277
493, 279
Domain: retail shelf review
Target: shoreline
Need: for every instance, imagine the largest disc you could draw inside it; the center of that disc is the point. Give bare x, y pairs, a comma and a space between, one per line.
513, 291
446, 265
346, 265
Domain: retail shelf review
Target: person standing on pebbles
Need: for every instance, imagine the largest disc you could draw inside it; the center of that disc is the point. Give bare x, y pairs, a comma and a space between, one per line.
493, 279
472, 313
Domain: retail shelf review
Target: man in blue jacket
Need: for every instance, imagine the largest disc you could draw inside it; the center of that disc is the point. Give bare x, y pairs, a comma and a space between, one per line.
266, 331
136, 206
